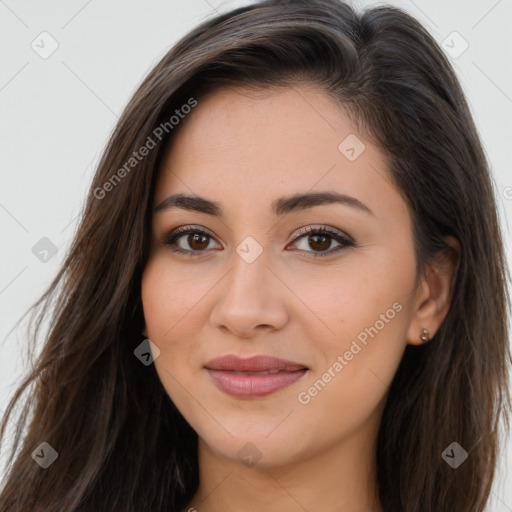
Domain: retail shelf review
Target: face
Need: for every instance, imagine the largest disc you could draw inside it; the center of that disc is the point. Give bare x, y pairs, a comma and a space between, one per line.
280, 319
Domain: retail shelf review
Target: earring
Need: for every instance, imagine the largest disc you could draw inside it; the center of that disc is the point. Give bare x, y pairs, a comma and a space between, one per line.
425, 335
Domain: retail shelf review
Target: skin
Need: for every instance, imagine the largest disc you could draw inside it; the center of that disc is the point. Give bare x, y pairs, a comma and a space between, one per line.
244, 149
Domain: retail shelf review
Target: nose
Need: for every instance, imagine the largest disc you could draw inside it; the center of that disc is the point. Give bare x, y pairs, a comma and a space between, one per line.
250, 300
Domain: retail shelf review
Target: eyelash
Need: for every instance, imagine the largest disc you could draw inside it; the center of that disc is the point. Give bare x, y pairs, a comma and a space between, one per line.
344, 241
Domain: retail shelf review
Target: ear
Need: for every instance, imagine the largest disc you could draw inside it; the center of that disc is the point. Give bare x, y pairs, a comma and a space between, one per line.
434, 292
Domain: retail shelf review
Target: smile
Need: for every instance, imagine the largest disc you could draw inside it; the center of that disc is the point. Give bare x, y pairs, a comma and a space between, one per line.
253, 377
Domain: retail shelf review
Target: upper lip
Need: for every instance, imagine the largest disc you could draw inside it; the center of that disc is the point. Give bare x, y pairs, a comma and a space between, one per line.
258, 363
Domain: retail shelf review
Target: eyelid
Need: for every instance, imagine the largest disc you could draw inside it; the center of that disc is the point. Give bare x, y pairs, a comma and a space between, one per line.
297, 233
190, 227
171, 236
312, 228
343, 239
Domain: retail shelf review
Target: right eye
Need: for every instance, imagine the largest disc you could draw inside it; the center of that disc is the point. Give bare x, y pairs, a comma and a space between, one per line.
188, 240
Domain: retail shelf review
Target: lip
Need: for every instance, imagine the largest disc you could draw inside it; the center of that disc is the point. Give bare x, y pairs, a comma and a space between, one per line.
253, 377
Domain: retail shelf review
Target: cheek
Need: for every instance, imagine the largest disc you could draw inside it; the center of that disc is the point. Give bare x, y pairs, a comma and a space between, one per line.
346, 300
175, 318
170, 298
367, 312
350, 384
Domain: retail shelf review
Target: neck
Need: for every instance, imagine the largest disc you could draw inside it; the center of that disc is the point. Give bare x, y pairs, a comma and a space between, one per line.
341, 478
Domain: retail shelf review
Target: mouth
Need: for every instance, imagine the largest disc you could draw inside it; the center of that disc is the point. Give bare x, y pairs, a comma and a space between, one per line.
253, 377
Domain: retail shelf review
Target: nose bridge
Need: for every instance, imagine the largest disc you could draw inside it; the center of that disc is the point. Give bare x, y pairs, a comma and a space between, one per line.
248, 276
246, 298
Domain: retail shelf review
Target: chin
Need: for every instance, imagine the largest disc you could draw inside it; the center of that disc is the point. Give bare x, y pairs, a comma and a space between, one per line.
254, 451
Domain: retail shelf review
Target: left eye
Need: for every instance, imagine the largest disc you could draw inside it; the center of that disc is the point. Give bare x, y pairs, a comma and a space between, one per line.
321, 239
198, 241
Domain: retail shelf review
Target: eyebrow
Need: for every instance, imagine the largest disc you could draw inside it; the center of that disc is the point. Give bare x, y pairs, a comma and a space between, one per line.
279, 207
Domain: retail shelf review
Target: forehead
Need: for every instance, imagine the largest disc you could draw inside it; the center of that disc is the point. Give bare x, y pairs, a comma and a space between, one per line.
251, 127
241, 147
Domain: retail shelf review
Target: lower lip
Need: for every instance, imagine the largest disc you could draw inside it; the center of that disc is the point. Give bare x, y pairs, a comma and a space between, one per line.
244, 385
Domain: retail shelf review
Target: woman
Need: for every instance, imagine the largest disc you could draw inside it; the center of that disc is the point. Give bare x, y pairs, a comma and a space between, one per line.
281, 294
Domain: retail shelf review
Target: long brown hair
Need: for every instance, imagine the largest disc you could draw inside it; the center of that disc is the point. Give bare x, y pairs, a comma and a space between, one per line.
121, 442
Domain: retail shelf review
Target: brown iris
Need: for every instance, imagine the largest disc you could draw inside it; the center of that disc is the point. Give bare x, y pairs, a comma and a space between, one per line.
320, 242
198, 241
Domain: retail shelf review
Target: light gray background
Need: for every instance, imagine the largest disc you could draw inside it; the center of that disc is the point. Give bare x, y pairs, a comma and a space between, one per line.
57, 112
